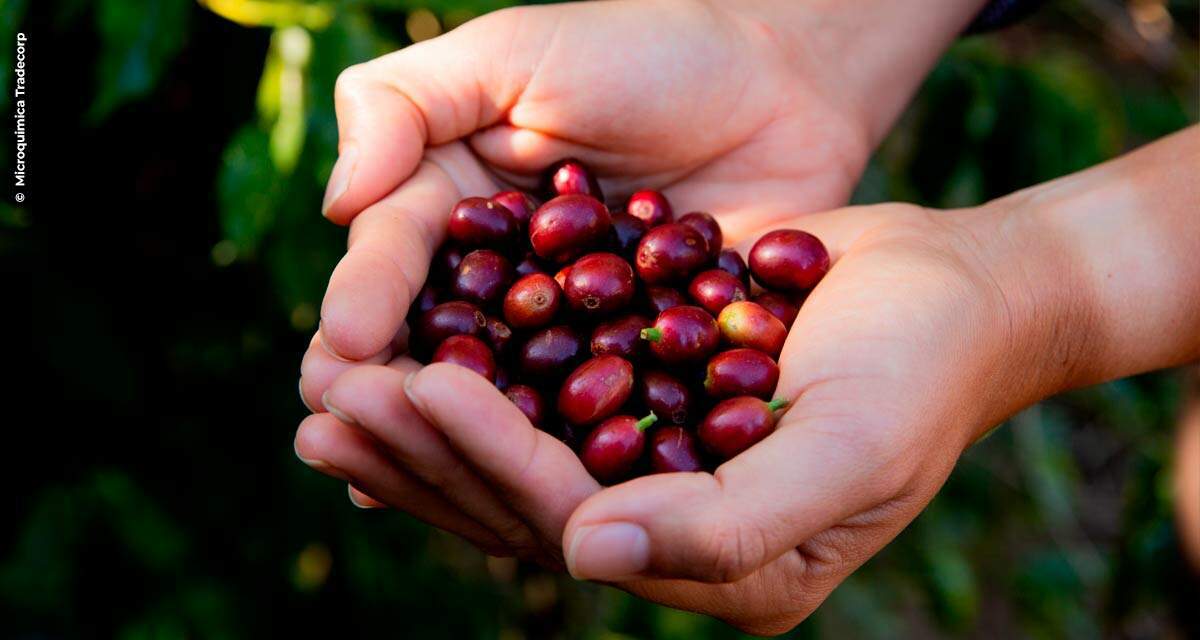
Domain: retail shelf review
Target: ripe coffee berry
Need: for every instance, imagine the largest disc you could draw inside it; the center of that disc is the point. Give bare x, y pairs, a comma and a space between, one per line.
674, 449
621, 337
741, 372
746, 324
651, 207
780, 306
529, 401
614, 446
467, 351
667, 397
737, 424
482, 277
533, 301
670, 253
570, 176
595, 390
716, 289
659, 299
627, 233
479, 222
706, 226
682, 334
789, 260
731, 261
549, 352
568, 226
448, 319
521, 204
599, 283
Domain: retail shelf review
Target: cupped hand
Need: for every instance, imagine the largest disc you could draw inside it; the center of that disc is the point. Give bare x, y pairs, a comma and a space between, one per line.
891, 368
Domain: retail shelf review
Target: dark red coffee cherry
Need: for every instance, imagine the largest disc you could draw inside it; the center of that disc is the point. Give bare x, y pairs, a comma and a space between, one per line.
499, 335
666, 396
670, 253
445, 262
551, 352
482, 277
789, 260
503, 379
673, 449
568, 226
479, 222
595, 390
730, 260
570, 176
651, 207
445, 320
529, 401
659, 299
621, 337
467, 351
741, 372
521, 204
781, 306
427, 298
614, 446
533, 301
708, 227
683, 334
627, 233
599, 283
716, 289
736, 424
746, 324
528, 264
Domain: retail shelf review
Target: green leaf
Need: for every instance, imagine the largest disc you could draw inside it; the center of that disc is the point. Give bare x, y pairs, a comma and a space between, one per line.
249, 189
139, 38
11, 13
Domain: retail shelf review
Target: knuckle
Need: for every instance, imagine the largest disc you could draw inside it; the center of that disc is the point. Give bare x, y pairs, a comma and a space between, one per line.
349, 80
731, 552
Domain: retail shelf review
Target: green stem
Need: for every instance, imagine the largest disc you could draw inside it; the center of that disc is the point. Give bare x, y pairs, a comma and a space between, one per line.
653, 334
645, 423
777, 404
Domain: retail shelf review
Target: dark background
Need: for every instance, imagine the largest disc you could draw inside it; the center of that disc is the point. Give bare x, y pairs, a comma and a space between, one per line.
166, 271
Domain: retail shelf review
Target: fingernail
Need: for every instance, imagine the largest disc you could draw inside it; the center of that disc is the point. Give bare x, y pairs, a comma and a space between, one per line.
350, 492
322, 466
339, 178
408, 391
334, 411
303, 400
608, 551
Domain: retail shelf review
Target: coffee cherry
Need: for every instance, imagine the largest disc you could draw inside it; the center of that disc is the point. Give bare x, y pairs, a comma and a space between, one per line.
521, 204
568, 226
529, 401
445, 262
621, 337
498, 335
716, 289
528, 264
670, 253
570, 176
445, 320
780, 306
613, 447
533, 301
731, 261
595, 390
683, 334
673, 449
741, 372
746, 324
503, 379
627, 233
482, 277
467, 351
708, 227
550, 352
659, 299
427, 298
666, 396
599, 283
789, 260
736, 424
651, 207
479, 222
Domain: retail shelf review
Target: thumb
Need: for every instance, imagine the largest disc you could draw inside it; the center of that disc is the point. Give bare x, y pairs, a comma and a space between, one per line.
389, 109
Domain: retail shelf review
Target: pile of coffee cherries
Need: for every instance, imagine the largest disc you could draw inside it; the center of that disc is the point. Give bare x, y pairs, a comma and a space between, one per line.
589, 319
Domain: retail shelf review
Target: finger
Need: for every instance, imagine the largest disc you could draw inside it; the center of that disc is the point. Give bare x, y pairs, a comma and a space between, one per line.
390, 247
319, 368
533, 471
344, 452
429, 93
373, 397
363, 501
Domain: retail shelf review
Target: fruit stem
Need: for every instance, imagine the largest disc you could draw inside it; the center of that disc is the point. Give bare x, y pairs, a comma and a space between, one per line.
645, 423
653, 334
777, 404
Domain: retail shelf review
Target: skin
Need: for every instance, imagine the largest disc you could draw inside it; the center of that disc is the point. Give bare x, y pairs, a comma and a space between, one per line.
987, 309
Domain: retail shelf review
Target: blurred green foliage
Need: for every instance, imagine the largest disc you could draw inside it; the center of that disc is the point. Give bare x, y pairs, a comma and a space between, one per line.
188, 516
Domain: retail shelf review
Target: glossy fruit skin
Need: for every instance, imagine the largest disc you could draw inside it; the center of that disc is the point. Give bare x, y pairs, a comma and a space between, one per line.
716, 289
659, 299
499, 335
533, 301
570, 176
479, 222
568, 226
595, 390
627, 232
528, 264
781, 306
621, 337
550, 352
670, 253
445, 262
503, 379
741, 372
747, 324
736, 424
708, 227
467, 351
482, 277
671, 400
427, 299
445, 320
613, 448
529, 401
521, 204
683, 334
673, 449
651, 207
730, 260
789, 260
599, 283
